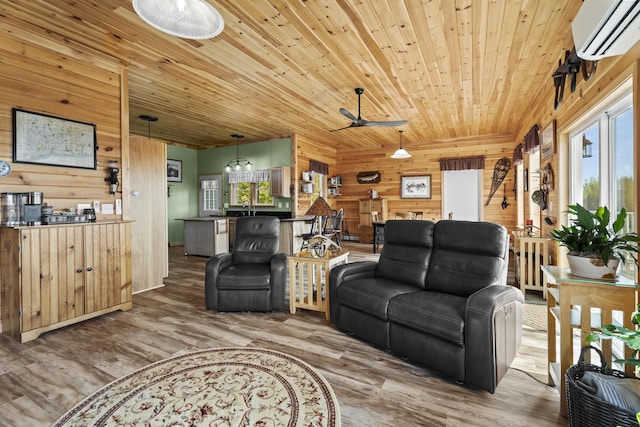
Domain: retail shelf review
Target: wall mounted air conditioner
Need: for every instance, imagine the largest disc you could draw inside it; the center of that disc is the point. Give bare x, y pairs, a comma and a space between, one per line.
606, 28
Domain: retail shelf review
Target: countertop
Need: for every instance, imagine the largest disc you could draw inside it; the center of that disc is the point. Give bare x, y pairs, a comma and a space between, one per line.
213, 218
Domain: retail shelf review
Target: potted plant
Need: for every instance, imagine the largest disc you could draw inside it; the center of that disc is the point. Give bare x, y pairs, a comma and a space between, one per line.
596, 246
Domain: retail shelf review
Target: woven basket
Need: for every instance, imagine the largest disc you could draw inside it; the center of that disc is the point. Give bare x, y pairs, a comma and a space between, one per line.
586, 409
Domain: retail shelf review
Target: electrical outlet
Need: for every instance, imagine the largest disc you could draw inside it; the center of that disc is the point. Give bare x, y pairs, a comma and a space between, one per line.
118, 206
107, 208
96, 205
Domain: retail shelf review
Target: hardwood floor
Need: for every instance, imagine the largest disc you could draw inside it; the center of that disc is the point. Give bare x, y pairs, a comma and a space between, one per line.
40, 380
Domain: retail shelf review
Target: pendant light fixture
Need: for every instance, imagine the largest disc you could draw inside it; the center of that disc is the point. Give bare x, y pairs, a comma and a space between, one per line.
147, 118
400, 153
188, 19
238, 163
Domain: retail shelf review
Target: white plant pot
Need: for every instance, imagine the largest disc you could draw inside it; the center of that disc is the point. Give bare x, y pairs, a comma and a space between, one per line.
593, 268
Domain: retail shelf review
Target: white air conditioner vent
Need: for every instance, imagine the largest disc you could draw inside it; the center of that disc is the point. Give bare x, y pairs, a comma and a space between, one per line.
606, 28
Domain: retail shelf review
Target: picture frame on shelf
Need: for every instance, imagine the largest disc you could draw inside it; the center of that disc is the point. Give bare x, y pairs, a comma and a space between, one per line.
174, 170
548, 141
53, 141
416, 187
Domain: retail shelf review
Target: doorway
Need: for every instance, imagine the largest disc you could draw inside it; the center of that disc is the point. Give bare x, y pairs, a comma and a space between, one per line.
461, 195
210, 198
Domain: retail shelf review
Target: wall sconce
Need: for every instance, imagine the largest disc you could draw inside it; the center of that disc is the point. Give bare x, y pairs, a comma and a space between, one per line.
587, 147
112, 179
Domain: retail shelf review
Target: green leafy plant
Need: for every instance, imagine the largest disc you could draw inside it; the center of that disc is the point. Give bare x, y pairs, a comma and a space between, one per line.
631, 337
591, 234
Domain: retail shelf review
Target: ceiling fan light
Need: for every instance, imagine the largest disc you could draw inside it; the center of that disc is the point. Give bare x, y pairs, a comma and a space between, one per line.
188, 19
248, 165
401, 153
227, 168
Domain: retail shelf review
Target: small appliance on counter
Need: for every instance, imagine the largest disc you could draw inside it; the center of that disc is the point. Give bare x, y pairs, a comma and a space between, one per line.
33, 207
21, 208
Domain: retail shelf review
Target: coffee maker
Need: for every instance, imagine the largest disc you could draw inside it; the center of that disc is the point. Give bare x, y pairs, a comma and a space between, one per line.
20, 209
33, 208
12, 209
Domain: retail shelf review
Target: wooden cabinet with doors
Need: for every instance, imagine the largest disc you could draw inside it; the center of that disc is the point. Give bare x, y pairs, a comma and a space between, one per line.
54, 276
368, 209
280, 181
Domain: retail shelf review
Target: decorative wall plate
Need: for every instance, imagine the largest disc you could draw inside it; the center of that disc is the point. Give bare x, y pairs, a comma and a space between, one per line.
5, 168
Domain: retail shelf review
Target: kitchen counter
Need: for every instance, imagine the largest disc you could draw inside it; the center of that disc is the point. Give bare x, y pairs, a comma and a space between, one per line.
197, 233
206, 236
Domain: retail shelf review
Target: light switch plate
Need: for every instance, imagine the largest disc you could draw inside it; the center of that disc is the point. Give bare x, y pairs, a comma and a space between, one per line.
118, 206
96, 205
107, 208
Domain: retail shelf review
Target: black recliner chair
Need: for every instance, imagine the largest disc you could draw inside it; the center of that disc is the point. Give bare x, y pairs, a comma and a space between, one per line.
253, 276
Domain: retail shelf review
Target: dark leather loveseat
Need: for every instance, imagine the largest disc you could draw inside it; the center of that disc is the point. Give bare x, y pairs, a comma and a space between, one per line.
437, 296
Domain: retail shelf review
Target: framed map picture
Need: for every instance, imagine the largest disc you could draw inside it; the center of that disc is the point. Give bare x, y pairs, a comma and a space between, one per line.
53, 141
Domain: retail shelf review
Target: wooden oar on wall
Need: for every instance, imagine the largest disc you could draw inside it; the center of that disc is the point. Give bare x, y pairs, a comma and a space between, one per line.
499, 172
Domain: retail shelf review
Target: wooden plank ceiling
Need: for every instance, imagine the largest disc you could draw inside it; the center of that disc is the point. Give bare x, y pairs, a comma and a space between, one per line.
452, 68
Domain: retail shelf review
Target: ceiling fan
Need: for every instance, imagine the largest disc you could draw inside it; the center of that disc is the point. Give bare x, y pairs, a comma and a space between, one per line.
359, 121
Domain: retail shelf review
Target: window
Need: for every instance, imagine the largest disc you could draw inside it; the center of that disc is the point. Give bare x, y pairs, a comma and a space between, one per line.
254, 194
601, 166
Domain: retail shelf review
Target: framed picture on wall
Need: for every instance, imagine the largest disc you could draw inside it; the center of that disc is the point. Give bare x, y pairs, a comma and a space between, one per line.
416, 187
174, 170
548, 141
53, 141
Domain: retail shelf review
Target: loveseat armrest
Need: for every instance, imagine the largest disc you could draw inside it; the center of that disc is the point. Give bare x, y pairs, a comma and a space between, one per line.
343, 273
278, 280
214, 266
493, 332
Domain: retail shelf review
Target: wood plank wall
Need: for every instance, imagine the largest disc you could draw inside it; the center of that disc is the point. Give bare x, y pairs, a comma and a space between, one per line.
67, 84
610, 74
304, 149
41, 75
424, 161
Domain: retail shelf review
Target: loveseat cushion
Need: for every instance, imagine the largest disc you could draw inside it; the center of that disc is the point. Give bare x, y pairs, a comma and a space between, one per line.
467, 256
406, 252
432, 313
371, 295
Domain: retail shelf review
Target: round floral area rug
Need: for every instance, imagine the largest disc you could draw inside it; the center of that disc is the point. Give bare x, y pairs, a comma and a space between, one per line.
217, 387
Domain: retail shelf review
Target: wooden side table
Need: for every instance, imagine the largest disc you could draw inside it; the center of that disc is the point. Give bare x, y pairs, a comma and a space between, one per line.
584, 304
308, 280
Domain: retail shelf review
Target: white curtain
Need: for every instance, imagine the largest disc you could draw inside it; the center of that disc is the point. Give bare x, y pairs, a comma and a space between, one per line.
209, 184
248, 176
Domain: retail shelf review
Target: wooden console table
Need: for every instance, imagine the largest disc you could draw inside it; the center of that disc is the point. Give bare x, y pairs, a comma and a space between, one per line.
309, 280
585, 304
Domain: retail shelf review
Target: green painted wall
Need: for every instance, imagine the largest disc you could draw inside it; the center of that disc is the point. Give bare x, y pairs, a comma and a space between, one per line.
183, 198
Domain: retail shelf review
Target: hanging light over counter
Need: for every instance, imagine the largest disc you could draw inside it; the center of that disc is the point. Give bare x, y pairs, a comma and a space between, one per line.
238, 163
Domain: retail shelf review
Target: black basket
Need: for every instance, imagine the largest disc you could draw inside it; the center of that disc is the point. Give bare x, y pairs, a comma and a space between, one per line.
586, 409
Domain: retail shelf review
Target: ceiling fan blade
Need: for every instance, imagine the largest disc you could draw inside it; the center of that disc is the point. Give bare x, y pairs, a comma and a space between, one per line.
348, 115
395, 123
352, 125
